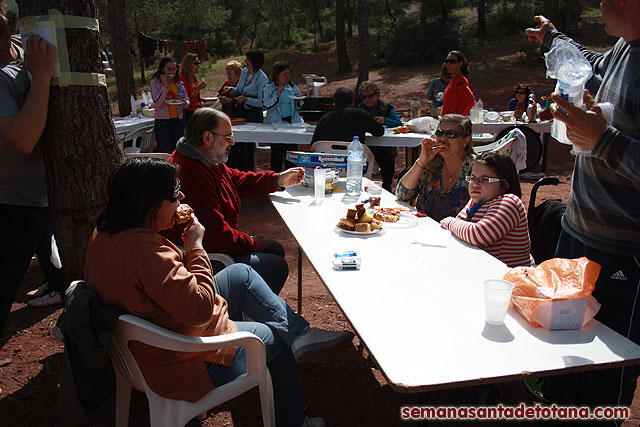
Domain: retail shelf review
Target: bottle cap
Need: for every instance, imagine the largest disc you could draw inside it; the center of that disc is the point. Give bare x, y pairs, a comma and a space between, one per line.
356, 137
415, 98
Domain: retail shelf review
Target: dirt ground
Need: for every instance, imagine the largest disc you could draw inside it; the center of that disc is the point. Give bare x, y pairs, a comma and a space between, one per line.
347, 390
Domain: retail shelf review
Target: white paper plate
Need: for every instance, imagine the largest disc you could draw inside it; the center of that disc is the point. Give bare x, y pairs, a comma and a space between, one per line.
298, 97
171, 102
492, 117
359, 233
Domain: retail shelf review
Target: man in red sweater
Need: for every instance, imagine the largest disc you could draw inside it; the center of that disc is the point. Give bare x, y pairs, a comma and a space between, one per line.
214, 192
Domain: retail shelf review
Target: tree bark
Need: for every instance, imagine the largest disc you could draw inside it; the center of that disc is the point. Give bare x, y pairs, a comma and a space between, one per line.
118, 35
344, 66
143, 80
482, 22
363, 43
423, 11
79, 141
443, 10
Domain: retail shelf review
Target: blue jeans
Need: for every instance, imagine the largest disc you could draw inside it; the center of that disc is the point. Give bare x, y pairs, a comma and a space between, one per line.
618, 290
168, 132
28, 231
275, 324
269, 264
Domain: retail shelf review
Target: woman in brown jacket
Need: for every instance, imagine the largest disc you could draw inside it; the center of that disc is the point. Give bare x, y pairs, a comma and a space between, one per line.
130, 265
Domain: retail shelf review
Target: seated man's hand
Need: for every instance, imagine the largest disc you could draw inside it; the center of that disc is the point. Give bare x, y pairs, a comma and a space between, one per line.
39, 58
584, 128
259, 244
193, 234
379, 119
290, 177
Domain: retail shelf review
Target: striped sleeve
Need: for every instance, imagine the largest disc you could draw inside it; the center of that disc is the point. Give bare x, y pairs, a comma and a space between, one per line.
498, 217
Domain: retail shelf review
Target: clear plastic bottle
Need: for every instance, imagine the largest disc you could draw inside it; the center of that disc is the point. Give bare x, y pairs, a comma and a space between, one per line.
355, 163
414, 108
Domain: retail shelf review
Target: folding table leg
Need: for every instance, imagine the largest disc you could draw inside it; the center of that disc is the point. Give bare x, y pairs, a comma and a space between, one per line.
299, 280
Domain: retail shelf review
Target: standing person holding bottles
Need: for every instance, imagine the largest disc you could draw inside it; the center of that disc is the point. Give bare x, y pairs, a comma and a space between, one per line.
169, 100
189, 77
458, 97
248, 94
282, 107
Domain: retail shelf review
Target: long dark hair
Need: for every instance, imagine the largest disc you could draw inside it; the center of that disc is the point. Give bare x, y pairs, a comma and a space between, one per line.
163, 63
465, 66
136, 190
257, 59
504, 167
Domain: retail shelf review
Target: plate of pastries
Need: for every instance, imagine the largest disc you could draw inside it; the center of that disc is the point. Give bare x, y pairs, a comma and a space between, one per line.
359, 222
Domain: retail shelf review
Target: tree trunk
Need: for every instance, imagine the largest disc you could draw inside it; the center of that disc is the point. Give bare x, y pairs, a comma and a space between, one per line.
348, 11
363, 43
219, 45
482, 22
118, 35
143, 80
79, 141
344, 66
444, 10
423, 11
388, 7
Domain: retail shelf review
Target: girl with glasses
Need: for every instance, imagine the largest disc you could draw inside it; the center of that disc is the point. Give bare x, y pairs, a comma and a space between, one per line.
169, 100
436, 181
189, 77
495, 218
458, 97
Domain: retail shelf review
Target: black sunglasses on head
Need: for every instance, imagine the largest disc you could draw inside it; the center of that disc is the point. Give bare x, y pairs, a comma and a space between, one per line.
452, 61
448, 133
196, 63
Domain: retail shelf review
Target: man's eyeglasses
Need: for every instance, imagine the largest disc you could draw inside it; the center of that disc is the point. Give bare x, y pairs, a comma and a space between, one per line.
482, 179
371, 95
196, 63
451, 61
176, 193
227, 137
448, 133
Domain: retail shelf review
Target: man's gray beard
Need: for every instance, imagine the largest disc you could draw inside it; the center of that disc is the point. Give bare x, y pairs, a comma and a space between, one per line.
216, 160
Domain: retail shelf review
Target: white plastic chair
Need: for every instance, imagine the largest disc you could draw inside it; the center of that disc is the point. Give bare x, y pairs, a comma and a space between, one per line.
146, 144
340, 147
513, 144
164, 412
315, 82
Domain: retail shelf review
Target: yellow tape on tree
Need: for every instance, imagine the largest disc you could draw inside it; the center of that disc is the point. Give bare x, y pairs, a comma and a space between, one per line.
57, 23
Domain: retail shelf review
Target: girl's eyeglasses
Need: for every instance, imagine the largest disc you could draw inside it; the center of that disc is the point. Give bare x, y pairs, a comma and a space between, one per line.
482, 179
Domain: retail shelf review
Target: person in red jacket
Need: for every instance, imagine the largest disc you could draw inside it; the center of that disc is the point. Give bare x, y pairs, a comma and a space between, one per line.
214, 191
458, 97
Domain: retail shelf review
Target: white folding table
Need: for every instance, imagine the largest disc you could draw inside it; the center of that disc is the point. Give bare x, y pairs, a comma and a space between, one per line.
420, 311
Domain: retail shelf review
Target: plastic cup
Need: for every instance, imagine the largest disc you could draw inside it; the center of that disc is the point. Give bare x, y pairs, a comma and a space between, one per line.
319, 179
375, 191
497, 294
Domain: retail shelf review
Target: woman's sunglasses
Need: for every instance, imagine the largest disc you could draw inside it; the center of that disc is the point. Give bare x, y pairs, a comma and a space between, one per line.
176, 193
448, 133
196, 63
452, 61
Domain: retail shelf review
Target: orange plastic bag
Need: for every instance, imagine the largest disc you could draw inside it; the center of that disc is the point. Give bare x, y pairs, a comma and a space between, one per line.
557, 293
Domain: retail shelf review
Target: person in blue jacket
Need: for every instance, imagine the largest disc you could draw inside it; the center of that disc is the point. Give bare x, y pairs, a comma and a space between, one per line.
386, 115
279, 99
248, 95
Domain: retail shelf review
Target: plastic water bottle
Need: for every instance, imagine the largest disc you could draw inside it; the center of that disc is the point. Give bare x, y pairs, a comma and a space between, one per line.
414, 108
355, 162
182, 94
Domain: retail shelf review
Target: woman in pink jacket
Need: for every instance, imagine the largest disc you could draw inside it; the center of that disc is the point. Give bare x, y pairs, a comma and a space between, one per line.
169, 100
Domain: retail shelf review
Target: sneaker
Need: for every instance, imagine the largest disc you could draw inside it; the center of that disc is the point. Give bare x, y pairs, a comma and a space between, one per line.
313, 422
316, 342
37, 293
52, 298
57, 333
